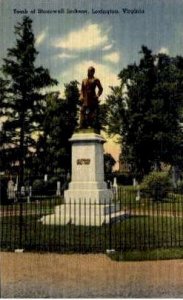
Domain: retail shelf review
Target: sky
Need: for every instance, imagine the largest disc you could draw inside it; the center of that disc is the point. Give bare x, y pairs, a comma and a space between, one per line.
106, 34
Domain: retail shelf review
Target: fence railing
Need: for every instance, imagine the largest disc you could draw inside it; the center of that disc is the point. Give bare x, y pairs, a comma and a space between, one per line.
129, 222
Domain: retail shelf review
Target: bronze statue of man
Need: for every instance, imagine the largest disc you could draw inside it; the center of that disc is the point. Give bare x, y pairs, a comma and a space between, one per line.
90, 100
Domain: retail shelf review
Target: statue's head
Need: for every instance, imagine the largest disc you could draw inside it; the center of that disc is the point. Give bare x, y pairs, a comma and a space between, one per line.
91, 71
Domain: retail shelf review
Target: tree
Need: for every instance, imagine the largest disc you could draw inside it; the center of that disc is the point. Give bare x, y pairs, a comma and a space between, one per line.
60, 121
168, 94
146, 111
109, 162
24, 103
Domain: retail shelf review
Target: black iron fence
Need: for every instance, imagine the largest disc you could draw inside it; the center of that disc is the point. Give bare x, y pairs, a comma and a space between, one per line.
130, 221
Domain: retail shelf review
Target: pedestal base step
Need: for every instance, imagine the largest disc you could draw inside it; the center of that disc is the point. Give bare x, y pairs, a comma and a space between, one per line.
85, 215
90, 196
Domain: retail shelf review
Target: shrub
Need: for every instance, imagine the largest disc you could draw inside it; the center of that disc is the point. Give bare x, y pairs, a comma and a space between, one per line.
180, 187
156, 185
123, 178
52, 183
38, 186
3, 190
48, 188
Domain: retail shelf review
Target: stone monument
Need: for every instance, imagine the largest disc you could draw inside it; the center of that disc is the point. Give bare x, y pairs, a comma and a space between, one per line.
87, 200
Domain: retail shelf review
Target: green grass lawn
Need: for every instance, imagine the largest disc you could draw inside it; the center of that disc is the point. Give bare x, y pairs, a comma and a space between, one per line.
127, 197
38, 206
134, 233
152, 254
151, 225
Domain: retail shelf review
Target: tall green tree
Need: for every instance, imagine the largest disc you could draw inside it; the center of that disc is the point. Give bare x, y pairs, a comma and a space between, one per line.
146, 111
168, 116
24, 102
60, 121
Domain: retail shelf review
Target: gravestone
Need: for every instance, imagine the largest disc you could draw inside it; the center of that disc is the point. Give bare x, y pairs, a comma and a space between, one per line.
11, 190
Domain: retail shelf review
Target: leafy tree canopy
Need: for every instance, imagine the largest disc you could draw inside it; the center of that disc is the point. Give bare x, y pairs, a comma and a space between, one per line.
146, 110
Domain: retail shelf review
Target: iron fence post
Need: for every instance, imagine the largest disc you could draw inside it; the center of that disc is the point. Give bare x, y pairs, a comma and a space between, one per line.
110, 228
20, 224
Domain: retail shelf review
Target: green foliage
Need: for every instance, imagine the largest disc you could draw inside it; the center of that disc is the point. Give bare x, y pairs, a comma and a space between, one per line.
109, 162
22, 101
41, 187
103, 108
180, 186
156, 185
3, 189
60, 121
123, 178
146, 111
153, 254
38, 185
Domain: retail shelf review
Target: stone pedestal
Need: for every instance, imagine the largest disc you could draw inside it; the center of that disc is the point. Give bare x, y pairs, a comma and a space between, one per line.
87, 200
87, 181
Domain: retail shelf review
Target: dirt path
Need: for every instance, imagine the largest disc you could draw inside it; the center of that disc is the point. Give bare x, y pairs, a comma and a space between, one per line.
28, 275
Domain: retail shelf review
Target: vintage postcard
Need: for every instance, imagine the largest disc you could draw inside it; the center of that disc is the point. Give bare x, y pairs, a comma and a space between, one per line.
91, 133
